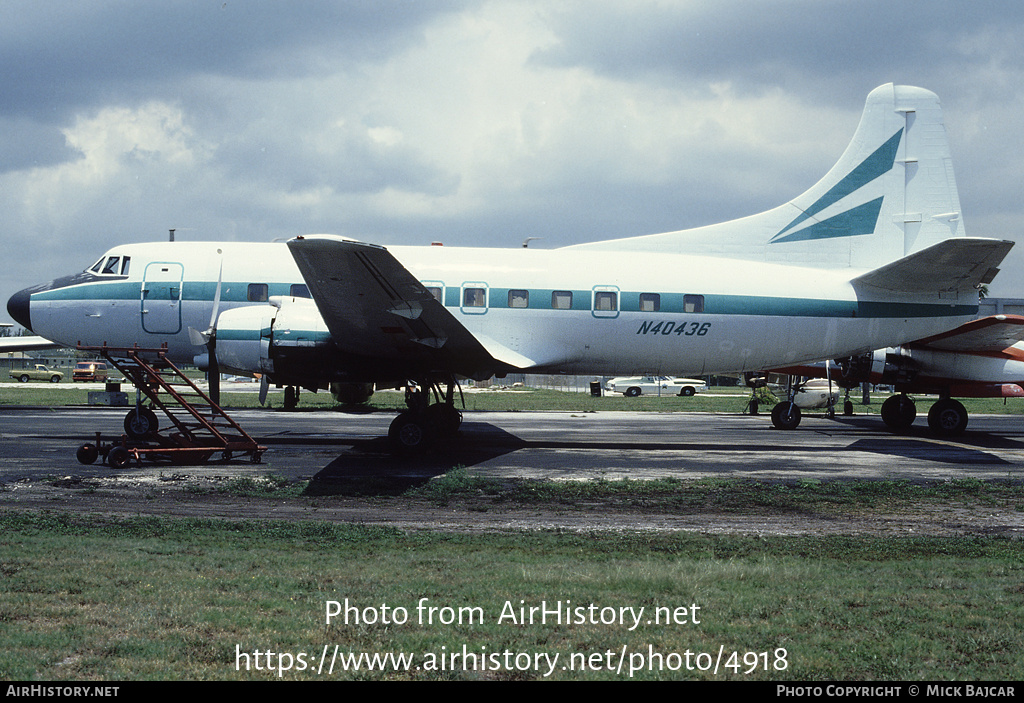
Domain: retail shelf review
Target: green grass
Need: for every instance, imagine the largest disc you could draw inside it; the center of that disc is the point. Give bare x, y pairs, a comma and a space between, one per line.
719, 400
675, 495
151, 598
90, 598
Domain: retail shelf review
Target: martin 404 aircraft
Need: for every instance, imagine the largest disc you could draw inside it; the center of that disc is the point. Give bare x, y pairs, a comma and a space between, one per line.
873, 255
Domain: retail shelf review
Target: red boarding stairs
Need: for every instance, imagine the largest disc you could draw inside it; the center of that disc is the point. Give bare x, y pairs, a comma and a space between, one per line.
198, 427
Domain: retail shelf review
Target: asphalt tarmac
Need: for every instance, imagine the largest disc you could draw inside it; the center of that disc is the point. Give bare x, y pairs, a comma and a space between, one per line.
41, 443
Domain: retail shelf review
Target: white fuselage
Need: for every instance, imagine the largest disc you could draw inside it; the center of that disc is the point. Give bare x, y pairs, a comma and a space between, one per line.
562, 310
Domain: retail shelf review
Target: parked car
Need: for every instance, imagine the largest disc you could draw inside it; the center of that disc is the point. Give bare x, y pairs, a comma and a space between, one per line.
632, 386
89, 371
37, 373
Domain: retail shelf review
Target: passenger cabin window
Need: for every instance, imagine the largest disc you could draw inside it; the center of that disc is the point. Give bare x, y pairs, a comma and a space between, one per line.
519, 298
605, 301
561, 299
258, 293
436, 292
693, 303
299, 290
474, 298
650, 302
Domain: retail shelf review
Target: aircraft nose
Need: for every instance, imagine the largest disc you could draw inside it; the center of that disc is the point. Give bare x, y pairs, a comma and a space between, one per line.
17, 308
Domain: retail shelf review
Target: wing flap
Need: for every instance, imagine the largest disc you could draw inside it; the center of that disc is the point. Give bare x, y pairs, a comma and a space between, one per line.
377, 310
952, 265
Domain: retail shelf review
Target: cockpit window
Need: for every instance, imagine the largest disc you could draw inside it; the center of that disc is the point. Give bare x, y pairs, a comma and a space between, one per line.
112, 266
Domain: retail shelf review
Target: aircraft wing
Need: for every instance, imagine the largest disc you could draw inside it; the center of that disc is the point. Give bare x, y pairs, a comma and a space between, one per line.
988, 334
17, 344
377, 310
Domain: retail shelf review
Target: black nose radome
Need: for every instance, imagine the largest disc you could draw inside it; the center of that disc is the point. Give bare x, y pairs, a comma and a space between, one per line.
17, 308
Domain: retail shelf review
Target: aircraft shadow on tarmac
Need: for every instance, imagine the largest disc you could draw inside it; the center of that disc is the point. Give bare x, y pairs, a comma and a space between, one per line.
370, 465
978, 440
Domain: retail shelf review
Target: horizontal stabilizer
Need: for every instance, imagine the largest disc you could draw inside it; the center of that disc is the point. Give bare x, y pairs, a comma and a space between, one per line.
958, 264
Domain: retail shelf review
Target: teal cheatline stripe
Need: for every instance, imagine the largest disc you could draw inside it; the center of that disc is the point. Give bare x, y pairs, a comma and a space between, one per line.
231, 292
92, 291
878, 163
809, 307
858, 220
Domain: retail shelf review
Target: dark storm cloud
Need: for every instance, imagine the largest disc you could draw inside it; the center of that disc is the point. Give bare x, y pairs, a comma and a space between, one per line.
58, 57
824, 50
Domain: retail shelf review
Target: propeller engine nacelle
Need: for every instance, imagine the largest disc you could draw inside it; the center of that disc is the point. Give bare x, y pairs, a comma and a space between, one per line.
854, 370
286, 340
881, 366
898, 368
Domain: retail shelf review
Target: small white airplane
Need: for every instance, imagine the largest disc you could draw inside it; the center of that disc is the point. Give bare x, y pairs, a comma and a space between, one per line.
983, 358
871, 256
24, 342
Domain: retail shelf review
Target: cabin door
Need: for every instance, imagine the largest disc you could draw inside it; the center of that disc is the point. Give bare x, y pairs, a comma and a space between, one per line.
161, 297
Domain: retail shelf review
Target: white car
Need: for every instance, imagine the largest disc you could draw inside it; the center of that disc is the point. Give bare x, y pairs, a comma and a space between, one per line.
632, 386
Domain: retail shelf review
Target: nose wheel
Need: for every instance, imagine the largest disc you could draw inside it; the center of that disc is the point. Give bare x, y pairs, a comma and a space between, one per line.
786, 415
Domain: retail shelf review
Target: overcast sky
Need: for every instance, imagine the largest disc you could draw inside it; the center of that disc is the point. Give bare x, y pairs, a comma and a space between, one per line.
470, 122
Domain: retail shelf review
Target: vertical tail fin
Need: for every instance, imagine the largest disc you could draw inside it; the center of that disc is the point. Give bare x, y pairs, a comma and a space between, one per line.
891, 193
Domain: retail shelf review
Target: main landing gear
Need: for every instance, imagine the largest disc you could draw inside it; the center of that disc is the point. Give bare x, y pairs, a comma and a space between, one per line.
786, 415
424, 423
946, 418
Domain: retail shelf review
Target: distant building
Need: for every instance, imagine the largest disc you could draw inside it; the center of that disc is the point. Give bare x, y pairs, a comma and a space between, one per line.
1001, 306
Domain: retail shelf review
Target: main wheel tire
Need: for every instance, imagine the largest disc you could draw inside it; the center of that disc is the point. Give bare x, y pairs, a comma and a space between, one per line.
141, 423
786, 415
446, 418
410, 433
898, 412
947, 417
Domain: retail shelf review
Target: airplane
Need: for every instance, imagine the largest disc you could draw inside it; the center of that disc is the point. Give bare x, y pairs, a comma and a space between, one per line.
983, 358
23, 342
872, 255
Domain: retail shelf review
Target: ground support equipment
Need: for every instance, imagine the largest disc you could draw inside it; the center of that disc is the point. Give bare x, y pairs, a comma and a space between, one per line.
198, 429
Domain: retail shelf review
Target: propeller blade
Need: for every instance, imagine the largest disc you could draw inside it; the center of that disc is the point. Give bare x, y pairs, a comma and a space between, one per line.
264, 387
216, 296
209, 339
213, 377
